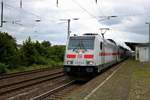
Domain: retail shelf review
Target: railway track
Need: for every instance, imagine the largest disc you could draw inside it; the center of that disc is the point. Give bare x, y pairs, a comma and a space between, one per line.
23, 84
58, 93
27, 79
49, 86
4, 76
42, 89
24, 76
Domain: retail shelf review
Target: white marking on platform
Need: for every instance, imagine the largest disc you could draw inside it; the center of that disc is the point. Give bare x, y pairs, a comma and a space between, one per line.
100, 85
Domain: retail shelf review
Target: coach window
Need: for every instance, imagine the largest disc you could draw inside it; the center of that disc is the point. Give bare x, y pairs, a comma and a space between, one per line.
101, 45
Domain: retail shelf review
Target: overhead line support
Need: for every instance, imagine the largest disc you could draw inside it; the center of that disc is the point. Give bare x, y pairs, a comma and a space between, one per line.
2, 13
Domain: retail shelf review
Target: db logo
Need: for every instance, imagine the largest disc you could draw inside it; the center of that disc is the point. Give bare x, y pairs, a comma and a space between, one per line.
79, 56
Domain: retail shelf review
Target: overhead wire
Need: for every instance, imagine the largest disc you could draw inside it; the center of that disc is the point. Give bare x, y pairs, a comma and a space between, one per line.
84, 9
31, 13
26, 11
98, 18
37, 19
100, 7
78, 4
17, 21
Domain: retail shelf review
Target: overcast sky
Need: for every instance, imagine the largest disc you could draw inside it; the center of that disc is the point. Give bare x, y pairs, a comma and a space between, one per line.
128, 26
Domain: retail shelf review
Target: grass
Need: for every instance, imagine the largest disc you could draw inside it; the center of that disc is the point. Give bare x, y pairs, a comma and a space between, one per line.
34, 67
140, 82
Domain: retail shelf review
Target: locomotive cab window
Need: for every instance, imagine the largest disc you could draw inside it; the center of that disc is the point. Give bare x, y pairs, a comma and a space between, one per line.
81, 43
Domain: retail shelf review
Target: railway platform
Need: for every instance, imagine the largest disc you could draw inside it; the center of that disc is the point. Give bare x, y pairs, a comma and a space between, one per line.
129, 80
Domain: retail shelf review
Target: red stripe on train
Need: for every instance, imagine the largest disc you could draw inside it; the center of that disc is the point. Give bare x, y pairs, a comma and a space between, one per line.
88, 56
71, 56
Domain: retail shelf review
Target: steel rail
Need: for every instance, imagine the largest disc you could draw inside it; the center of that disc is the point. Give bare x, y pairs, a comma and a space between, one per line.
27, 83
48, 93
4, 76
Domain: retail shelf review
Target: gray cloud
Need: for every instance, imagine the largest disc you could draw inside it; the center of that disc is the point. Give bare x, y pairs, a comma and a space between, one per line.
130, 23
132, 15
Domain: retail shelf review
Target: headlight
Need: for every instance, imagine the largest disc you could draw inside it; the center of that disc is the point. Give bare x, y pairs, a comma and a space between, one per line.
89, 69
69, 62
90, 62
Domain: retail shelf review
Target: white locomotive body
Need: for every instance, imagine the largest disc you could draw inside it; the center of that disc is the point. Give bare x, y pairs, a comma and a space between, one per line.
90, 54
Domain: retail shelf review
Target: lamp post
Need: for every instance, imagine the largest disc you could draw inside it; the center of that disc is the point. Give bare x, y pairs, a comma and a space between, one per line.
68, 27
20, 3
111, 17
149, 30
2, 13
102, 18
149, 37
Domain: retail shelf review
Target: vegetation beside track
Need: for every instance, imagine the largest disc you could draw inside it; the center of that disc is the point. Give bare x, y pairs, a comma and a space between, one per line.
34, 67
140, 81
28, 56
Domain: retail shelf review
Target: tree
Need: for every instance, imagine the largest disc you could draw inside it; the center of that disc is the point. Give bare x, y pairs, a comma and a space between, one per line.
32, 53
28, 53
8, 49
46, 43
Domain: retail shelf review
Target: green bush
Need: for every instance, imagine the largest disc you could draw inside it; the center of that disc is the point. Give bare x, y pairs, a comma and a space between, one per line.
3, 68
8, 50
40, 60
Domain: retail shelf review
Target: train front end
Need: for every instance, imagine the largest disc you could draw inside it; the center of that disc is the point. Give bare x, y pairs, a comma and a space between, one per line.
79, 56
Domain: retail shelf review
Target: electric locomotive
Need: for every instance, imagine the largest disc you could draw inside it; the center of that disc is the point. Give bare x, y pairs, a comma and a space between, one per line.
89, 54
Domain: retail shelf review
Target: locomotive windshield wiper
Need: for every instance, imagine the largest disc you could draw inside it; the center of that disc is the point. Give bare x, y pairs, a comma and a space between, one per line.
80, 45
76, 47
